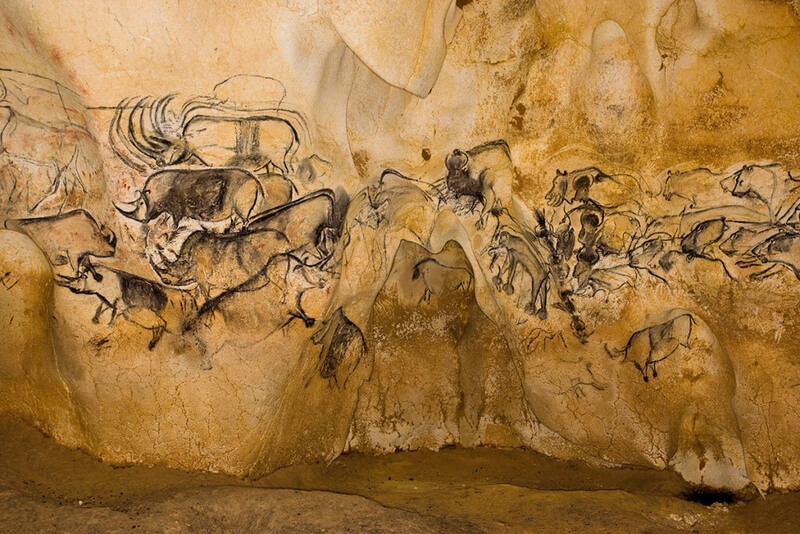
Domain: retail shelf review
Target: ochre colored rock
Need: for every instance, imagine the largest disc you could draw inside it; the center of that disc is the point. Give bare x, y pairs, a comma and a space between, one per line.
236, 239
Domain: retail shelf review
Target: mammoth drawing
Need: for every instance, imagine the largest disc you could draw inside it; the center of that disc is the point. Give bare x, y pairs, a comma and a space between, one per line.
156, 133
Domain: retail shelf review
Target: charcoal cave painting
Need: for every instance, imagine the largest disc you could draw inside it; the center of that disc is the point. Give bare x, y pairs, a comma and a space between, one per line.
222, 206
657, 343
734, 218
225, 207
231, 215
48, 158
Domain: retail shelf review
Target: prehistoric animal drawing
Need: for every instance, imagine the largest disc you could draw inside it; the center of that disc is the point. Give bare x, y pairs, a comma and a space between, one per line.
703, 236
439, 278
659, 254
22, 182
579, 384
484, 174
218, 199
745, 238
393, 194
572, 186
589, 221
43, 147
780, 250
259, 141
459, 181
153, 133
769, 184
602, 278
654, 255
739, 246
146, 136
287, 272
563, 241
618, 232
135, 299
336, 337
278, 189
176, 203
67, 186
254, 306
713, 240
215, 263
601, 235
67, 239
312, 171
520, 256
311, 223
653, 344
591, 185
606, 228
373, 201
295, 277
694, 189
757, 181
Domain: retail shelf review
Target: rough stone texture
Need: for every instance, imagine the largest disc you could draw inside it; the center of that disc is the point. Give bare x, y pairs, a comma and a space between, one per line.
48, 488
238, 238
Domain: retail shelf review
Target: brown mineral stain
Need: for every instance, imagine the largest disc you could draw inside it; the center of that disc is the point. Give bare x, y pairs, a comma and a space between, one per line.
361, 161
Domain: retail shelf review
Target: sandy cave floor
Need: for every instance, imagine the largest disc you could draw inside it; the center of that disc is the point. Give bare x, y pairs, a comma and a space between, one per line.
48, 488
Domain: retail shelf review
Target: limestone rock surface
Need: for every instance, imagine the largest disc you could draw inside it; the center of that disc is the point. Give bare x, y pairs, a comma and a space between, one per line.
240, 237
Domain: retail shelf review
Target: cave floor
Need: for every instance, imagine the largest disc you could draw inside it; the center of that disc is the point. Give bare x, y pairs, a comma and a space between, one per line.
48, 488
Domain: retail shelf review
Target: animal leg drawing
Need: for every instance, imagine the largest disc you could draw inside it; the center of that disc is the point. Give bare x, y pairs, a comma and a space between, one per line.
519, 254
649, 346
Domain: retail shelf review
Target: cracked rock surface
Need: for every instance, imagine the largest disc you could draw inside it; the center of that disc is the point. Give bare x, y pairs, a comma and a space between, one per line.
238, 239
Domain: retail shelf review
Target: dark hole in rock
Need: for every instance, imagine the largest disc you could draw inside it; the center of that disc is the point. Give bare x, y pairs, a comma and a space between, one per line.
708, 496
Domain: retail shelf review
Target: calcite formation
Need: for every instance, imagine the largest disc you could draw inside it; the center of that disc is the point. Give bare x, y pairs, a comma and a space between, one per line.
238, 237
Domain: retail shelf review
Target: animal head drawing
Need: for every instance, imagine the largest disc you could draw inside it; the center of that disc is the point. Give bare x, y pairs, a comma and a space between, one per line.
752, 181
558, 192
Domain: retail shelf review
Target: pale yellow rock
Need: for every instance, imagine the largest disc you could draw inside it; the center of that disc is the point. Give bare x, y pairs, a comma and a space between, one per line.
243, 236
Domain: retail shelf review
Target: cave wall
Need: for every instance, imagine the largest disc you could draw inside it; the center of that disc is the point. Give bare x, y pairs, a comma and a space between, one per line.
241, 237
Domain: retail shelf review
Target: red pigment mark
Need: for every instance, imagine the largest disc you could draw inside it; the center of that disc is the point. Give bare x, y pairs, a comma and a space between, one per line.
32, 39
12, 30
55, 55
